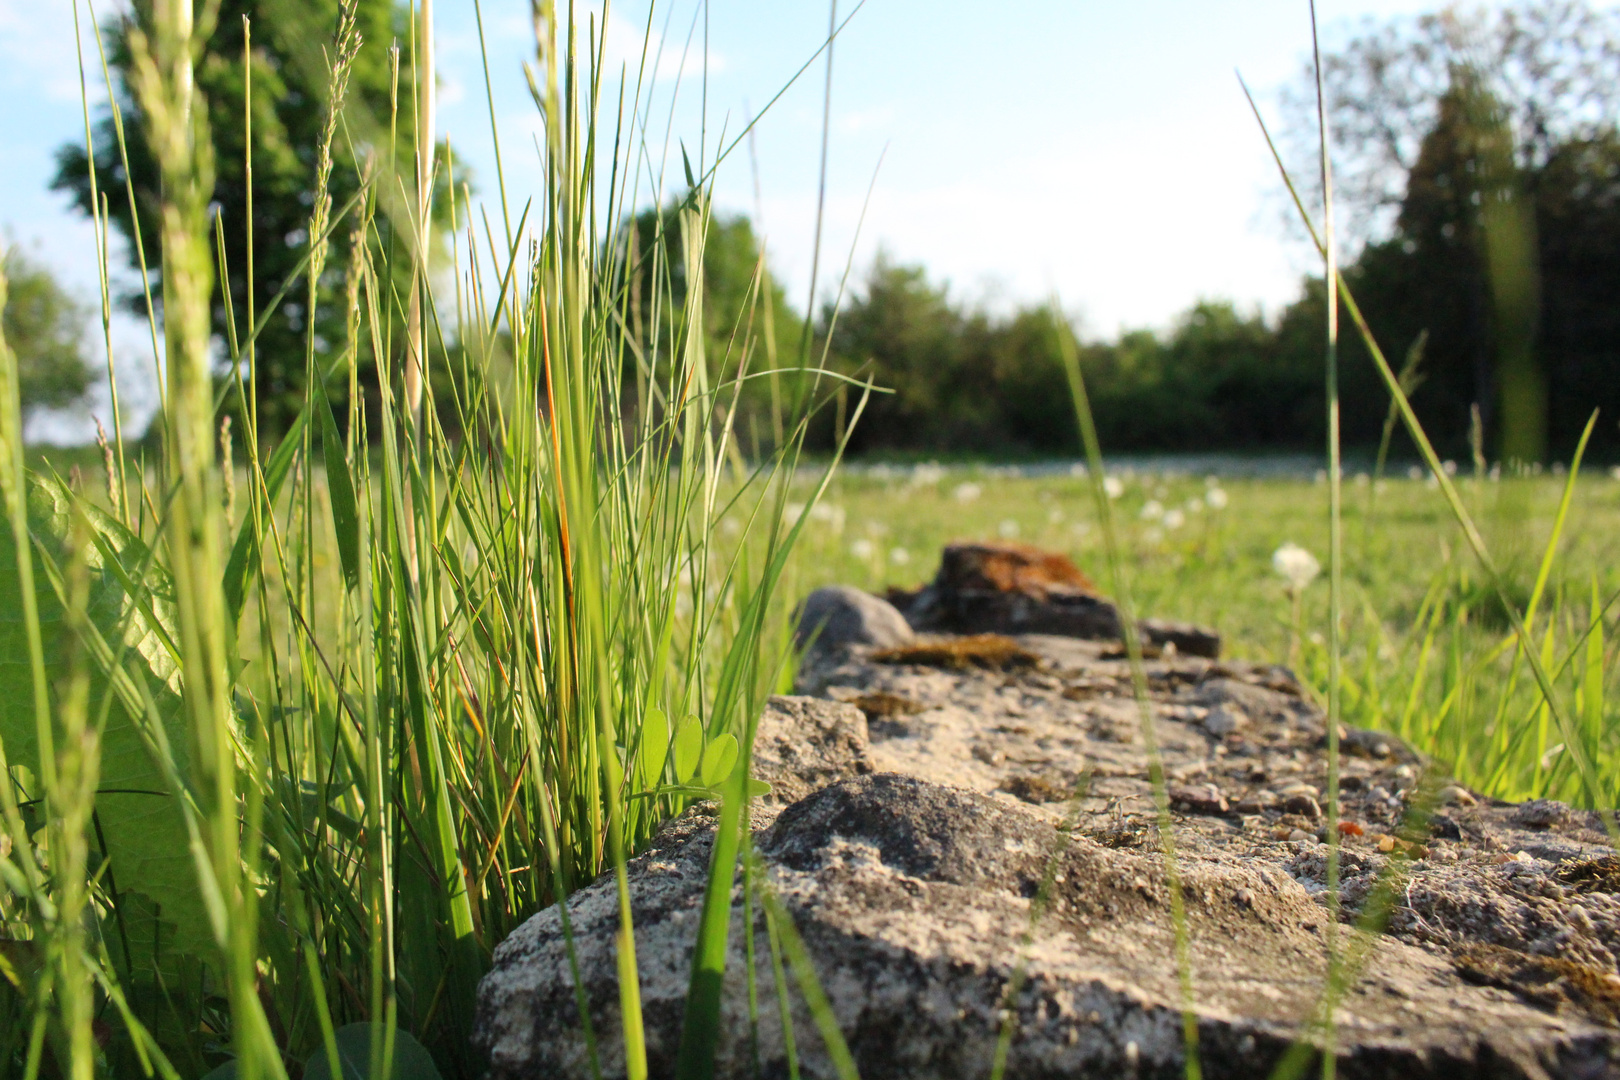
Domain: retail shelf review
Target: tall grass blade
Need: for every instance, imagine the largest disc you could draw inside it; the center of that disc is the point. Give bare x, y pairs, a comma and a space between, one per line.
815, 998
1592, 787
340, 489
13, 480
176, 131
1131, 632
1335, 554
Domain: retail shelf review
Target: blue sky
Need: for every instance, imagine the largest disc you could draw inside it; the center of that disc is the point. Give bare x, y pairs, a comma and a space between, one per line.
1102, 151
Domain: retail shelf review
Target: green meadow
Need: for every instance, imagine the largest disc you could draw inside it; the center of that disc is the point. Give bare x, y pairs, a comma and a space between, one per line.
1429, 654
464, 550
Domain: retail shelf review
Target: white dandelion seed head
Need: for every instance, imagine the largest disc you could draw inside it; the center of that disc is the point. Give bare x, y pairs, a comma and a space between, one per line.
1215, 498
966, 493
1295, 565
1113, 486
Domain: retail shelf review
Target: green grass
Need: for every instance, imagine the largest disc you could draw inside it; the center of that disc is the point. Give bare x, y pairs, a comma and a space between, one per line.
291, 746
1428, 648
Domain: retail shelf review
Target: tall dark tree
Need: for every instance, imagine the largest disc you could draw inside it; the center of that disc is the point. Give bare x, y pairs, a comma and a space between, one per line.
1552, 67
1431, 276
291, 40
1455, 149
1578, 225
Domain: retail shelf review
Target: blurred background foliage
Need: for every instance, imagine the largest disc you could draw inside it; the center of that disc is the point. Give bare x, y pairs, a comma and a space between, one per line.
1483, 160
44, 324
1479, 156
289, 83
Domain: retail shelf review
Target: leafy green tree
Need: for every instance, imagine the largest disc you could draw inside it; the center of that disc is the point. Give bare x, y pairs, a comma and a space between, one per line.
1218, 379
738, 313
1250, 394
44, 326
1031, 389
1469, 154
904, 333
289, 93
1552, 67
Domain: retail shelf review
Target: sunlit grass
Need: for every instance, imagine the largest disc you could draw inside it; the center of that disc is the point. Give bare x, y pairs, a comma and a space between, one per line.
379, 692
294, 742
1428, 649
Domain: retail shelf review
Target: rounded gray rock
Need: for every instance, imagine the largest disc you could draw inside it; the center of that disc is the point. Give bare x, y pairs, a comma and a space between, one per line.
838, 615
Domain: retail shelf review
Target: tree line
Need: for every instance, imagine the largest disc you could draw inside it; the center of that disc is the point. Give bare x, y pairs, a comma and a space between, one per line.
1479, 157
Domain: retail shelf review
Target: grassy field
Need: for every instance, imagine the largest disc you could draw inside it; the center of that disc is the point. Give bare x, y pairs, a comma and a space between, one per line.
292, 748
1429, 651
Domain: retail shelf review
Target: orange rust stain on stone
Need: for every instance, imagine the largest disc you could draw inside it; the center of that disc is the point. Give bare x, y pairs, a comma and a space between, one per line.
1011, 567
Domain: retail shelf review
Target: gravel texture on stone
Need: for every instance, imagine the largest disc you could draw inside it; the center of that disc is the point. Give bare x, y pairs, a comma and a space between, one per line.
917, 810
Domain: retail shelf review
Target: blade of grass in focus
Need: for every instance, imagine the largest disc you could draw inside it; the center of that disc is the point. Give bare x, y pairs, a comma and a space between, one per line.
1335, 559
165, 88
420, 681
1129, 630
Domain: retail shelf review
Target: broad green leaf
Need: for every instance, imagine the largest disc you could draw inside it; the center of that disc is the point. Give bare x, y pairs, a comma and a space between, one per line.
340, 489
688, 748
142, 824
411, 1059
654, 747
756, 788
719, 758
